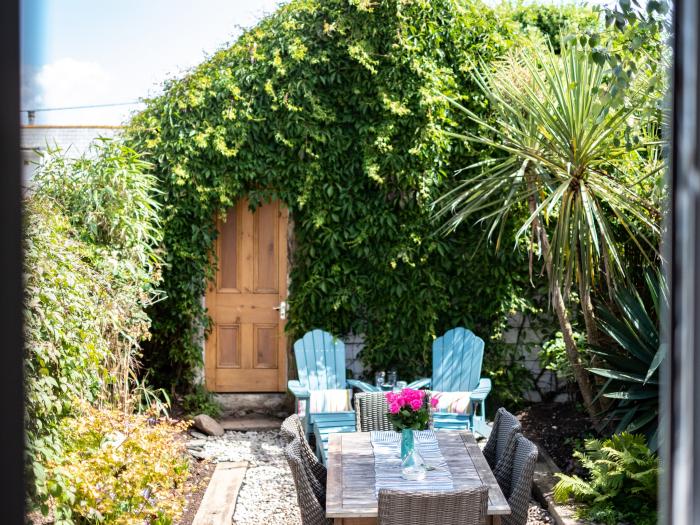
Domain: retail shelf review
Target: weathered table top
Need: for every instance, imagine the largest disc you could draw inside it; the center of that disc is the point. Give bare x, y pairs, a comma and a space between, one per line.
350, 486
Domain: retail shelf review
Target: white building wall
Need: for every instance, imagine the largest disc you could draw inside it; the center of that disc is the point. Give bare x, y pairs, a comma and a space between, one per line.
75, 140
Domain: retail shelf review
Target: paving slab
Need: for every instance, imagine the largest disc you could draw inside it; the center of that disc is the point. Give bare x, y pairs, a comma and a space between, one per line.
219, 502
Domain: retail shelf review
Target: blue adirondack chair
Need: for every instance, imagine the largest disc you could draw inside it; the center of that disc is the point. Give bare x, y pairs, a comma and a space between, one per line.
320, 361
457, 358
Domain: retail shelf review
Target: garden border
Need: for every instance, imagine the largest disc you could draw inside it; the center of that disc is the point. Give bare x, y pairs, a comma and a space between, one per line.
543, 489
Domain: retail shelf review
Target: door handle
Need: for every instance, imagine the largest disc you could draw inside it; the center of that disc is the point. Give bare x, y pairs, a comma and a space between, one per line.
282, 309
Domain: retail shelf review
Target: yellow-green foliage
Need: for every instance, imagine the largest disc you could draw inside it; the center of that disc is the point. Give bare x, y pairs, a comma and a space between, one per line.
121, 469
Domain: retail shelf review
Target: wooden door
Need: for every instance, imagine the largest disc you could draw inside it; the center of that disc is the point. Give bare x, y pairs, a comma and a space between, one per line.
246, 350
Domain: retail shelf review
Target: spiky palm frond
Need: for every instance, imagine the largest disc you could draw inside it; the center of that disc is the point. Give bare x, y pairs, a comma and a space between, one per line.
564, 148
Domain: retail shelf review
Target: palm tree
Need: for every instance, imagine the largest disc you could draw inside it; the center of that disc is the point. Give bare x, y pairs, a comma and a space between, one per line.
571, 160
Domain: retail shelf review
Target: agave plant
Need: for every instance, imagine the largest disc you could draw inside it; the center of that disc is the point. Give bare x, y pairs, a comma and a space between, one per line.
567, 161
632, 371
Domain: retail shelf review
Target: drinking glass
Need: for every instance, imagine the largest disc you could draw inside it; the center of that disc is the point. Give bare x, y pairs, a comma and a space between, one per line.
391, 378
379, 379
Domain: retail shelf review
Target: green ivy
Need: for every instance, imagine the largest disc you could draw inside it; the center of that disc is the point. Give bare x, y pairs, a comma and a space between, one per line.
334, 107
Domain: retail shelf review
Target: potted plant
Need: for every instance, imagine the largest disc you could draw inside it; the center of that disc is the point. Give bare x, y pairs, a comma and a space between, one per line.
409, 410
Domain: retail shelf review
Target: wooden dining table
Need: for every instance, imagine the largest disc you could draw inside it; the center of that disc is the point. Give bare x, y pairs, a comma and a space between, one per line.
350, 488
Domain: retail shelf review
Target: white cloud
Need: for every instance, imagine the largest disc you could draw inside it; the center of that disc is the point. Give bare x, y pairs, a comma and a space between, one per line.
67, 83
70, 82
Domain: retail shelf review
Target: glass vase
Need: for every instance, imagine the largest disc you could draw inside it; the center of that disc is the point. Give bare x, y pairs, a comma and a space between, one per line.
407, 444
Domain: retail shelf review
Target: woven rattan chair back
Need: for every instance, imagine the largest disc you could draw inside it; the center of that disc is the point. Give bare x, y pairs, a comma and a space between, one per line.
292, 428
463, 507
371, 411
311, 495
505, 426
522, 472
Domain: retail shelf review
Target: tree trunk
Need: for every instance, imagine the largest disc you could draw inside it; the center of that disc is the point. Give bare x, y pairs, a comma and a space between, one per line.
580, 373
587, 311
592, 338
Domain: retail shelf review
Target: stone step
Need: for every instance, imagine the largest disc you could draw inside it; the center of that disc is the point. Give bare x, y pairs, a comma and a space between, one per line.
270, 404
252, 422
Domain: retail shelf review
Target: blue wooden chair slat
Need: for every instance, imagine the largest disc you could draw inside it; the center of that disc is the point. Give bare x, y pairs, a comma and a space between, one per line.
320, 361
457, 359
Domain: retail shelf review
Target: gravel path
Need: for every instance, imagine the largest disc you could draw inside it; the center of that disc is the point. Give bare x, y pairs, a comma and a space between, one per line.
267, 495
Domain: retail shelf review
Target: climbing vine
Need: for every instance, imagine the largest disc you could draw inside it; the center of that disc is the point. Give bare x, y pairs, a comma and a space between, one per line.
334, 107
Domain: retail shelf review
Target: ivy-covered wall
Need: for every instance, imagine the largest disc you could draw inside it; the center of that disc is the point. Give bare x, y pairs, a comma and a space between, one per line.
333, 106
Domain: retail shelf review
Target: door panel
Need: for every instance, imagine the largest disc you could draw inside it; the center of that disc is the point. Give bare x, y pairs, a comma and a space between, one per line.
246, 350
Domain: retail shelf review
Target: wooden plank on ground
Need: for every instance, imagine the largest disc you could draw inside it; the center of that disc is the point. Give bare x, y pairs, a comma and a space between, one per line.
219, 500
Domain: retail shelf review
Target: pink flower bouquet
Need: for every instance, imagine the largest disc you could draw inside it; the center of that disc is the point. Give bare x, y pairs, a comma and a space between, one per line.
409, 409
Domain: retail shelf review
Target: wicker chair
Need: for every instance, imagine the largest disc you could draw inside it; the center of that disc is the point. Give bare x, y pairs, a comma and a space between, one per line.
463, 507
311, 495
522, 472
293, 429
371, 411
505, 426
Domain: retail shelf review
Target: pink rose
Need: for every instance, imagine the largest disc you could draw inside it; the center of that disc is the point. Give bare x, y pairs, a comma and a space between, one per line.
434, 401
390, 397
394, 408
416, 404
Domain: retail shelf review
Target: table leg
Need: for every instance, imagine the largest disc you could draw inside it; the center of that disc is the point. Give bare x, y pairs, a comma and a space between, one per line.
493, 520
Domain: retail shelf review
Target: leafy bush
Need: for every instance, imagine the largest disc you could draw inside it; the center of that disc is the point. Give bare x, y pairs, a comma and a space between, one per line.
107, 196
200, 401
120, 468
505, 365
553, 355
65, 347
622, 481
331, 107
555, 21
91, 268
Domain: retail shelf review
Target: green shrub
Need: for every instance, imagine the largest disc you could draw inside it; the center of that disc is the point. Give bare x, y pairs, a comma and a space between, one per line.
65, 347
107, 197
630, 365
553, 355
622, 481
91, 268
200, 401
553, 21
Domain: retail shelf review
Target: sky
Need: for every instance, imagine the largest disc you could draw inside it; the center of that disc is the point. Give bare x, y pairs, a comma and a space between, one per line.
87, 52
92, 53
